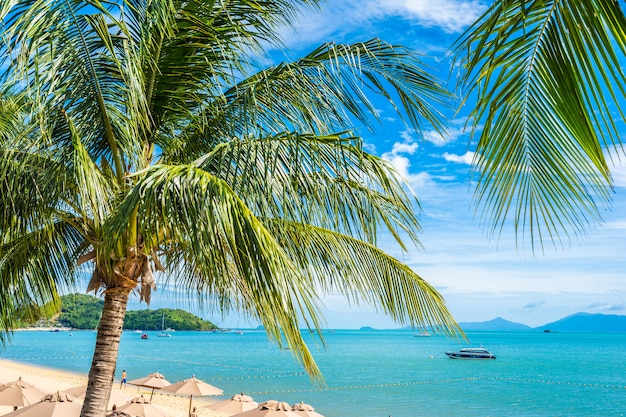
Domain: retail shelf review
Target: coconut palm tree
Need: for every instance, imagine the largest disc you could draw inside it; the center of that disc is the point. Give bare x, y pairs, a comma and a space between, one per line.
550, 87
141, 139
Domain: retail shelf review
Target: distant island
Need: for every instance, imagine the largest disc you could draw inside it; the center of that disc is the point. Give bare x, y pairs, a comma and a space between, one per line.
579, 322
80, 311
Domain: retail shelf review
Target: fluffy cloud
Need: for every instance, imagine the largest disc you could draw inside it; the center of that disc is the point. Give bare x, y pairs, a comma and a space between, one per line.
466, 158
619, 174
401, 163
452, 135
450, 15
338, 18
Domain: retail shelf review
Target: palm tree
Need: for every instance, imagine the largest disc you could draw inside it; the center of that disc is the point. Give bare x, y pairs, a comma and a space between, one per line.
142, 135
549, 82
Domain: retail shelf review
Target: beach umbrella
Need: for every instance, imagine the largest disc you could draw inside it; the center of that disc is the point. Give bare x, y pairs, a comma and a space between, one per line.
192, 386
238, 403
141, 407
305, 410
155, 381
51, 405
116, 397
118, 413
271, 408
20, 394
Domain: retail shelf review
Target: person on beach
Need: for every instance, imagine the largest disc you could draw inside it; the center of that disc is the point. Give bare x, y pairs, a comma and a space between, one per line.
123, 381
193, 413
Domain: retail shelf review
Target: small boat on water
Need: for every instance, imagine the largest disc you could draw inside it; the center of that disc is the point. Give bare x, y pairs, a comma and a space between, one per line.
471, 353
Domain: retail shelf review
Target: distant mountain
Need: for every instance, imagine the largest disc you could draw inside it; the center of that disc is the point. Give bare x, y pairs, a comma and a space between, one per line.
586, 322
497, 324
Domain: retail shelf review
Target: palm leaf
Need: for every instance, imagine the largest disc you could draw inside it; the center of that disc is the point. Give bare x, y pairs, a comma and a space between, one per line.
35, 267
191, 47
323, 92
364, 273
545, 90
328, 181
226, 251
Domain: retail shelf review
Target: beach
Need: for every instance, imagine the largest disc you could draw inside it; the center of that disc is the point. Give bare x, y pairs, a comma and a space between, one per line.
47, 379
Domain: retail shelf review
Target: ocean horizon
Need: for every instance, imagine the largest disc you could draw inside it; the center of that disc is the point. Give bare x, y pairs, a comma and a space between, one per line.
372, 373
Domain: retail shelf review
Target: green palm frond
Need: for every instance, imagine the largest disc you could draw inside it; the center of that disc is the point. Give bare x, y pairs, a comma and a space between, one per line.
547, 76
30, 195
364, 273
35, 267
66, 51
323, 92
191, 48
227, 251
93, 189
328, 181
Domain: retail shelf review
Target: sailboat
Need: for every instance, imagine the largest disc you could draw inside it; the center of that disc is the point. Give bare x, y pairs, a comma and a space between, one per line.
163, 334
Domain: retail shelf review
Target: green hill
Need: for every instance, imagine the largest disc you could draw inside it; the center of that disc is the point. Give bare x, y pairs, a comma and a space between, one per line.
82, 311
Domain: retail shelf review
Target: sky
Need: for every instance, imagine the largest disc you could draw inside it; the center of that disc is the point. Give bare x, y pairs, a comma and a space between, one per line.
480, 279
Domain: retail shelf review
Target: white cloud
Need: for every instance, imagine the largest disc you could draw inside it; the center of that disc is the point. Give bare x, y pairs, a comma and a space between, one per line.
619, 174
438, 139
466, 158
617, 224
450, 15
435, 138
408, 148
402, 164
339, 18
407, 135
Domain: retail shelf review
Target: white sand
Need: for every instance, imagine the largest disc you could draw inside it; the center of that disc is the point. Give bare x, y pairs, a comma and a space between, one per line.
51, 380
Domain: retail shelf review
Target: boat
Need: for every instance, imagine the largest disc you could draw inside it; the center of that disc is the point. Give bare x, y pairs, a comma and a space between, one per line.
422, 334
471, 353
144, 336
163, 333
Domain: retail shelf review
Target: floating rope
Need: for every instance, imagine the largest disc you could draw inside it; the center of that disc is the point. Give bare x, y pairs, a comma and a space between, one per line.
273, 374
440, 381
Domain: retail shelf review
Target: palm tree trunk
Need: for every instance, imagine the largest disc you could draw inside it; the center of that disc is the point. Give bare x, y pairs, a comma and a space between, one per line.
104, 360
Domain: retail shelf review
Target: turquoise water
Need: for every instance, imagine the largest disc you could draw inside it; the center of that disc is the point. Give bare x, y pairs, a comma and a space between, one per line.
375, 373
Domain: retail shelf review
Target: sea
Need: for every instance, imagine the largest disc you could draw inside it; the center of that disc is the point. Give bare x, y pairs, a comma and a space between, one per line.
372, 373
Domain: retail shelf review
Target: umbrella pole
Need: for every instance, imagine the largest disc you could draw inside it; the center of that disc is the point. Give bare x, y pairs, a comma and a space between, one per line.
151, 394
190, 398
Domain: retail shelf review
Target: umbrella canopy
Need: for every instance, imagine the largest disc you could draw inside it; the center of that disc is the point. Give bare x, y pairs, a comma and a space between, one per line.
118, 414
270, 408
305, 410
192, 386
20, 394
238, 403
116, 397
51, 405
141, 407
155, 381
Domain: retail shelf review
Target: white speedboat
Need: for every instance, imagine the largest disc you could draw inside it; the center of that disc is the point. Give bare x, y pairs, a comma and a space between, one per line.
471, 353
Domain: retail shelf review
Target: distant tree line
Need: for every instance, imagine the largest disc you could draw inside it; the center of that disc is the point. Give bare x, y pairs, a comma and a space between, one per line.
82, 311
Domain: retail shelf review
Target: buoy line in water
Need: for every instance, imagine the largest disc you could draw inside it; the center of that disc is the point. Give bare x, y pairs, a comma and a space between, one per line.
443, 381
273, 373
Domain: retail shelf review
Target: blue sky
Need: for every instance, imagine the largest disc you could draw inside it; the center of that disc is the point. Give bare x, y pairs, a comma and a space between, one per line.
480, 279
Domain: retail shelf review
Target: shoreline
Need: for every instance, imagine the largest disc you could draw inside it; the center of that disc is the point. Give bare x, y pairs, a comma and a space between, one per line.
44, 329
45, 377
